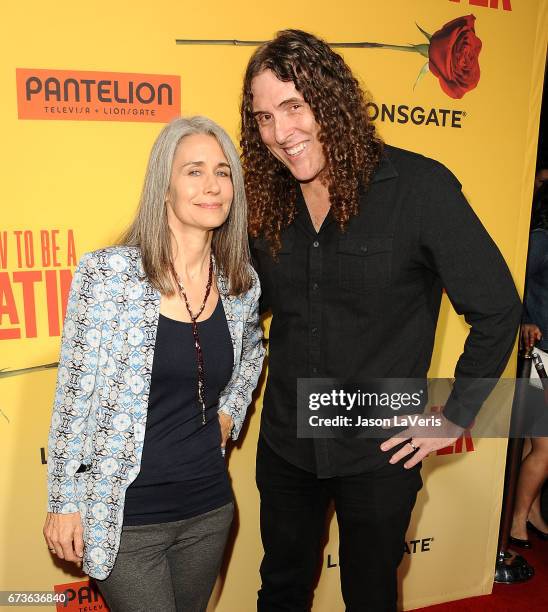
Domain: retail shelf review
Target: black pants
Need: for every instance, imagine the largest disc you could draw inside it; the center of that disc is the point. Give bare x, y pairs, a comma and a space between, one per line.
373, 512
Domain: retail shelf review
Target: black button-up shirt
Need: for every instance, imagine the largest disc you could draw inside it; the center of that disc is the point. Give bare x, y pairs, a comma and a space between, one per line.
364, 303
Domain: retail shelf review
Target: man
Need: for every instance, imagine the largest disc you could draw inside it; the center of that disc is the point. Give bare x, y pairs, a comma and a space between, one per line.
354, 242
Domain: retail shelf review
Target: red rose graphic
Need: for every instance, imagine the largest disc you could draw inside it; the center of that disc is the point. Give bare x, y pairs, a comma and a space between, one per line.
453, 56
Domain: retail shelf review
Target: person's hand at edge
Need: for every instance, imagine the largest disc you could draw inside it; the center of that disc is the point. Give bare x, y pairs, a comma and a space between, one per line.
64, 536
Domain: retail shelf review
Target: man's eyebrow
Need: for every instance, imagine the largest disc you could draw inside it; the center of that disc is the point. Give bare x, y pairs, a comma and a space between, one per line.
290, 101
282, 104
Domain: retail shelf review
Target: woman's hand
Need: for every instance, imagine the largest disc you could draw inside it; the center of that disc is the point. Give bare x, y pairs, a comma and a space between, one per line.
530, 334
225, 421
64, 536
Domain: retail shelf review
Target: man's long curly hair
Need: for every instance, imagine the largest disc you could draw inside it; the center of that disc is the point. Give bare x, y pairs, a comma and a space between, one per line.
351, 148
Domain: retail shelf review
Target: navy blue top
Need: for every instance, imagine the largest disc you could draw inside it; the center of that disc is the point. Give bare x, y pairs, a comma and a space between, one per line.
183, 472
536, 288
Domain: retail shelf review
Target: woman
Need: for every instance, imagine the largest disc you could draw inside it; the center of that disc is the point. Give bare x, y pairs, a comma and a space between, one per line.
534, 333
161, 352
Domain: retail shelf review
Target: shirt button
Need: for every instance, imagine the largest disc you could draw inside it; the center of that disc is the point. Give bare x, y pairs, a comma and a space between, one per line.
315, 287
316, 244
363, 248
314, 330
314, 370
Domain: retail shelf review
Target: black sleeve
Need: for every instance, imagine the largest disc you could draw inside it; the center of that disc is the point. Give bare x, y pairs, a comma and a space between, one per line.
478, 284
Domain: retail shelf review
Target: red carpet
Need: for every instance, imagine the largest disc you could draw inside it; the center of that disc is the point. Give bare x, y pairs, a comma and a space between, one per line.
530, 596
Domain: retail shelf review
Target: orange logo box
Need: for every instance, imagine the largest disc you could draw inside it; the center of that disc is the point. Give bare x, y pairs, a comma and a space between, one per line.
80, 597
97, 96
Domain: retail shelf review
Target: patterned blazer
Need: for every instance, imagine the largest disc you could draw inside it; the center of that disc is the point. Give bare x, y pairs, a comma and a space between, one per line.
100, 409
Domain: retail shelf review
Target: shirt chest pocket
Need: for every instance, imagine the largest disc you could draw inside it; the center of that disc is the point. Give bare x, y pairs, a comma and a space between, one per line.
364, 263
276, 272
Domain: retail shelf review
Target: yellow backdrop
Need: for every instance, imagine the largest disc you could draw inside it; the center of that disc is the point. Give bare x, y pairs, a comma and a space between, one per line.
71, 181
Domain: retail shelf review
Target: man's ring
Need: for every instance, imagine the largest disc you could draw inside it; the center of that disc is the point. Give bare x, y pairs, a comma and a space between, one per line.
412, 445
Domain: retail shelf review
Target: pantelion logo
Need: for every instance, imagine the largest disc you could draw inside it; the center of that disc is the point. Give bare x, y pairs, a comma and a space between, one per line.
97, 96
80, 596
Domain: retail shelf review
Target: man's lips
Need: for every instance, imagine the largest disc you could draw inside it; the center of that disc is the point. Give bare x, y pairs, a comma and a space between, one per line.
295, 150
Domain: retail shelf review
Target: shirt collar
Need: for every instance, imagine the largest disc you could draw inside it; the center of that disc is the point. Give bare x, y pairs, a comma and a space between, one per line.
386, 170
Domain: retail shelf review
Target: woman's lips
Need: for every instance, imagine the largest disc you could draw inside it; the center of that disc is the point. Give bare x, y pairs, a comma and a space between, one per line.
209, 206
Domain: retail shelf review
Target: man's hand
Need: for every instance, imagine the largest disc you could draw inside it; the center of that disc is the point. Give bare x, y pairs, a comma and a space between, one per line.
422, 440
64, 536
530, 334
225, 421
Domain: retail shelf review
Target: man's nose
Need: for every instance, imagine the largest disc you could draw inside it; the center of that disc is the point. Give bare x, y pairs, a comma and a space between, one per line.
283, 129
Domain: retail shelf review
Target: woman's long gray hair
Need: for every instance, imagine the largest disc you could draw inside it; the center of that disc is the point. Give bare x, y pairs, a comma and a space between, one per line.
150, 231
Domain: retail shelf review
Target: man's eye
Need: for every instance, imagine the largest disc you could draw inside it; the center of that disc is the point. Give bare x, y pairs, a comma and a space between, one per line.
295, 106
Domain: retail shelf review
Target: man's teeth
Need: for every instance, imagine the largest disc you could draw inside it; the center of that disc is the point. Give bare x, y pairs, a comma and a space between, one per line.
297, 149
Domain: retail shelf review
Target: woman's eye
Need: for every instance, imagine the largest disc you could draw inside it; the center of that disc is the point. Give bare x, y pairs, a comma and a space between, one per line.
263, 119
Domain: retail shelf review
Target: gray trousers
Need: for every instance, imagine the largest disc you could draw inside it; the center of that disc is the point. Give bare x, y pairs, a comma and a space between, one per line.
168, 567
